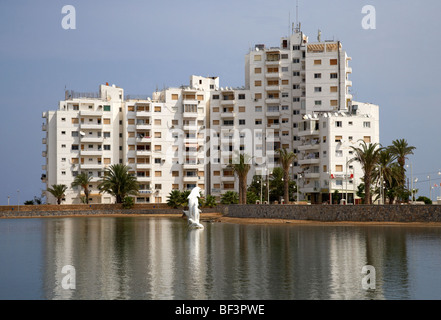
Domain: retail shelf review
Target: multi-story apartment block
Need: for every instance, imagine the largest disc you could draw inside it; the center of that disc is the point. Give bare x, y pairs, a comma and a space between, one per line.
296, 96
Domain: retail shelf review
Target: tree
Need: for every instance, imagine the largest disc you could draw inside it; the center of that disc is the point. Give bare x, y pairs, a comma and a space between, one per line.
386, 174
252, 198
174, 199
286, 159
277, 186
118, 182
83, 180
210, 201
58, 190
426, 200
230, 197
367, 155
240, 165
401, 149
258, 187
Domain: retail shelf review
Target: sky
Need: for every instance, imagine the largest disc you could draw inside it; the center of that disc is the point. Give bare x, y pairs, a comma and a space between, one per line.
144, 45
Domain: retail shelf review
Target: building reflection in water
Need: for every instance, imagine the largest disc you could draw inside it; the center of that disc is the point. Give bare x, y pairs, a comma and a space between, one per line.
159, 258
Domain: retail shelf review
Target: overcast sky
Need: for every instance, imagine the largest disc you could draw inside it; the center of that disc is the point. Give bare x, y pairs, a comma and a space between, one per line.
140, 45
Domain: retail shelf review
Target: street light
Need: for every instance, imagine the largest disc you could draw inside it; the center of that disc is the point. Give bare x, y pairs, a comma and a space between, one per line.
411, 179
299, 176
430, 187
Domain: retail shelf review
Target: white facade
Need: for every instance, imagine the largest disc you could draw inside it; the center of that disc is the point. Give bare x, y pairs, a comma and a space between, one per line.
296, 96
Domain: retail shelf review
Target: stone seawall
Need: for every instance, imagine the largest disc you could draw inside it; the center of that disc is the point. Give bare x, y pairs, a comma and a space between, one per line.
337, 213
96, 212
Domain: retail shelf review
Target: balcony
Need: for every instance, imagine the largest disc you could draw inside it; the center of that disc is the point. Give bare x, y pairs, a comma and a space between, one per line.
273, 113
274, 126
190, 115
44, 154
312, 175
227, 115
44, 127
143, 114
44, 167
273, 75
92, 139
273, 88
91, 152
143, 126
348, 83
309, 161
90, 113
191, 179
272, 100
143, 166
348, 70
91, 166
145, 139
307, 190
44, 115
309, 147
190, 165
228, 178
144, 179
309, 132
44, 141
91, 126
143, 152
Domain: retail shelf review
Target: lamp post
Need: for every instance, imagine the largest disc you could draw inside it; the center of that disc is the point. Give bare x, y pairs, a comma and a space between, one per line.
411, 180
430, 187
18, 200
8, 200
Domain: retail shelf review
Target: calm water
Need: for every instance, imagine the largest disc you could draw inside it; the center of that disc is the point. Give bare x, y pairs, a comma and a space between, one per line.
158, 258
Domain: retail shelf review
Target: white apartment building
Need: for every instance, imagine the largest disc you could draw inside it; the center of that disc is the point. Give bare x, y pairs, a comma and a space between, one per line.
296, 96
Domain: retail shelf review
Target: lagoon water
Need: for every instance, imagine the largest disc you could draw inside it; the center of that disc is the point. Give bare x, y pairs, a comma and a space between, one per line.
159, 258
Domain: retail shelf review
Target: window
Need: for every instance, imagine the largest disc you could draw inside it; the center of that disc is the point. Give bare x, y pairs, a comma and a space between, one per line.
257, 83
228, 122
334, 103
158, 173
63, 119
157, 109
107, 121
317, 62
296, 86
339, 153
285, 69
241, 121
75, 147
334, 89
284, 56
333, 62
257, 58
215, 97
257, 70
296, 48
107, 147
350, 123
157, 134
366, 124
74, 133
258, 109
339, 183
285, 82
318, 89
339, 124
106, 108
285, 94
295, 60
241, 96
367, 139
158, 186
339, 168
338, 139
158, 160
296, 99
75, 120
318, 102
296, 74
317, 75
106, 134
157, 122
175, 96
334, 76
242, 109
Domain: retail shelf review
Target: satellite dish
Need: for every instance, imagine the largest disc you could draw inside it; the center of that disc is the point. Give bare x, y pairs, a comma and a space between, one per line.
82, 133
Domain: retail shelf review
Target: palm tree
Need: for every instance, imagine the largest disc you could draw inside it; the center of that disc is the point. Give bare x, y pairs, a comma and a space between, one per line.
401, 149
230, 197
83, 180
58, 191
367, 155
118, 182
385, 171
241, 166
174, 199
286, 159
